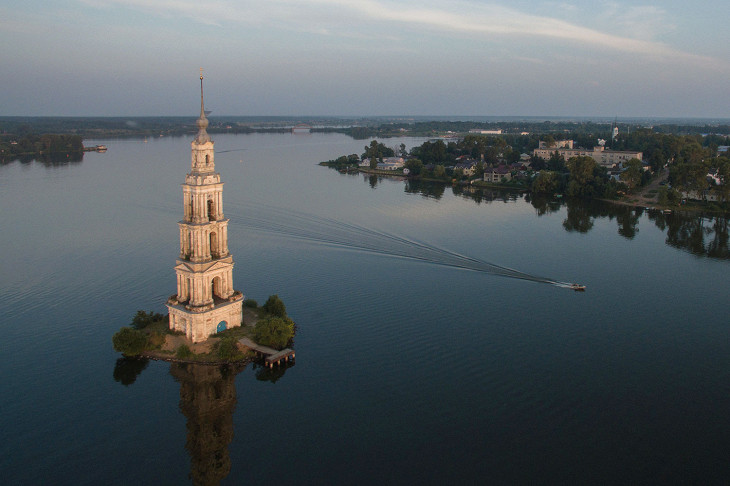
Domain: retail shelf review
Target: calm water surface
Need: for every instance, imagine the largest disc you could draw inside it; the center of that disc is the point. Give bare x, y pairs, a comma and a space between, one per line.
407, 372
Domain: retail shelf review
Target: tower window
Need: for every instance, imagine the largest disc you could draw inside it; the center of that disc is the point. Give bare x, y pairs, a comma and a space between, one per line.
211, 210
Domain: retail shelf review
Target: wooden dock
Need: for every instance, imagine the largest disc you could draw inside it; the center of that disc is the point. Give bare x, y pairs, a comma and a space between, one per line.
272, 355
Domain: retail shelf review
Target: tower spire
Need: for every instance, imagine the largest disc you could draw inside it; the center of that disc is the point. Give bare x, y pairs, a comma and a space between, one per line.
202, 122
202, 105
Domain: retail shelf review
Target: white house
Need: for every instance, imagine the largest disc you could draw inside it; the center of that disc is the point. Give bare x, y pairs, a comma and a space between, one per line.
388, 163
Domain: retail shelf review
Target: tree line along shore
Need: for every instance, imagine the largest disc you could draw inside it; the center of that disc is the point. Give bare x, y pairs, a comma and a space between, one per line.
45, 145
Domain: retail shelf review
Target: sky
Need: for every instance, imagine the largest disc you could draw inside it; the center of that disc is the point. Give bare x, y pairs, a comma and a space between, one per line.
659, 58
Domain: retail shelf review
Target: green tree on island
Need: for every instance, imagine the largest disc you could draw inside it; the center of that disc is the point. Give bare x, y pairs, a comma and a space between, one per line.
375, 152
668, 197
586, 177
689, 171
275, 306
547, 182
556, 162
143, 319
275, 332
414, 166
129, 342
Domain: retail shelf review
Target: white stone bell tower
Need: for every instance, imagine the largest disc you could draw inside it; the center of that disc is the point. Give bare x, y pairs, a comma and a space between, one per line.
205, 302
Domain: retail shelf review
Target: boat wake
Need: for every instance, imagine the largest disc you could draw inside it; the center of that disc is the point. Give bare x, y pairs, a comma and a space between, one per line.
308, 227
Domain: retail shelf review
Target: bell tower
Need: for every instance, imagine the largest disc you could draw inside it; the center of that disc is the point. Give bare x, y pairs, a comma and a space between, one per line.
205, 302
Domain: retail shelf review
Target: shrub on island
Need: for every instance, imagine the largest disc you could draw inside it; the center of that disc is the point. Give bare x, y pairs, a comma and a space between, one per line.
143, 319
129, 342
275, 306
275, 332
183, 352
228, 348
250, 303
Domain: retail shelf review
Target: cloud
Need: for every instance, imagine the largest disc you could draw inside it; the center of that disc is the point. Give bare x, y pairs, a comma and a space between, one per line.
466, 18
495, 20
645, 22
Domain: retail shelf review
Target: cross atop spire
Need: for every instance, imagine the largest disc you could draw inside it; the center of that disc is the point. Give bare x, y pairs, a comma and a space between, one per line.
202, 122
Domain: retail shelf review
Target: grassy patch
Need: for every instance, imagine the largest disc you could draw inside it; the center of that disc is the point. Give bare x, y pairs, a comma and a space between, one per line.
155, 340
183, 352
234, 333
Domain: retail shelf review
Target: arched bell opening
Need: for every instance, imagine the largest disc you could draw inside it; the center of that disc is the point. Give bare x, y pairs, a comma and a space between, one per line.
211, 210
217, 288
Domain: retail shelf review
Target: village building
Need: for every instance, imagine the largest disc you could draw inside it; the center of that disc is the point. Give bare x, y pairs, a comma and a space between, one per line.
468, 166
603, 156
388, 163
501, 173
205, 302
558, 144
486, 132
707, 195
714, 177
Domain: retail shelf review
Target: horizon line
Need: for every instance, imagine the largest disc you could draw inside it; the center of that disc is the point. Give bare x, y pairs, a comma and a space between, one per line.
406, 116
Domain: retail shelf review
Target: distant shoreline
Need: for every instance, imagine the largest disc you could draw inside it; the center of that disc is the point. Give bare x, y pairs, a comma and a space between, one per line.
360, 128
639, 200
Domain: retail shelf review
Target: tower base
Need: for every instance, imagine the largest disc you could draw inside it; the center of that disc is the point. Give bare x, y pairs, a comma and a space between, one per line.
198, 326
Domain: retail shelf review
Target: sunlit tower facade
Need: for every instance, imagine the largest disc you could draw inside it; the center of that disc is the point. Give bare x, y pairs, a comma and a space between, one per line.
206, 302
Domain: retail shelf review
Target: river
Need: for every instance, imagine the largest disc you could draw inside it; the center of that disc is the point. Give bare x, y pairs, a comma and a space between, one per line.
410, 369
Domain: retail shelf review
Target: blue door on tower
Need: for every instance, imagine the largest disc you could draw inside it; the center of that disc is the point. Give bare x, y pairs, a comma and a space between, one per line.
221, 326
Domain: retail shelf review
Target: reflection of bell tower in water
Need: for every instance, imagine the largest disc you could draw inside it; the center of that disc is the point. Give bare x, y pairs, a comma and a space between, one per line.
205, 302
208, 400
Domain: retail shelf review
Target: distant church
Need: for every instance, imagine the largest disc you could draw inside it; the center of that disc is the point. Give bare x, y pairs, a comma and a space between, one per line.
205, 302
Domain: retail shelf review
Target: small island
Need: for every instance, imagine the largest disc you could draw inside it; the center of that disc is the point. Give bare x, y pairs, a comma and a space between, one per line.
206, 322
268, 326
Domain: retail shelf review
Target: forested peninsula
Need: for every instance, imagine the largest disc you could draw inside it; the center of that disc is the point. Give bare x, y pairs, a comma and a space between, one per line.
674, 170
44, 146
